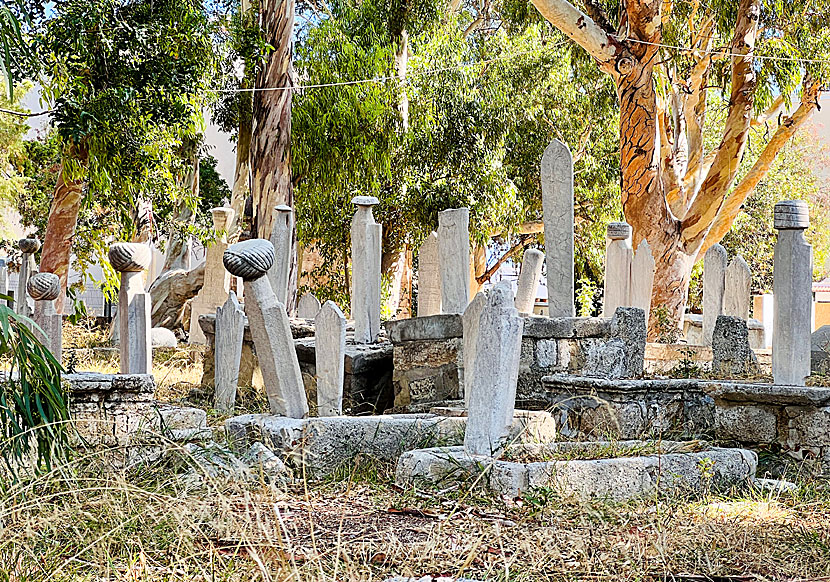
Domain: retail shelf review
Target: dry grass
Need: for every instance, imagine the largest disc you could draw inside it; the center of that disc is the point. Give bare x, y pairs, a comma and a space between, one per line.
85, 521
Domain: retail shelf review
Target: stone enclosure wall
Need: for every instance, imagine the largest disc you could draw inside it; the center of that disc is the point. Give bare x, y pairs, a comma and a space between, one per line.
794, 418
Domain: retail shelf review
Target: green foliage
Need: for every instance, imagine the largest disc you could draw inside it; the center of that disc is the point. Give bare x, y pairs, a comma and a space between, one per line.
33, 403
667, 330
12, 130
587, 294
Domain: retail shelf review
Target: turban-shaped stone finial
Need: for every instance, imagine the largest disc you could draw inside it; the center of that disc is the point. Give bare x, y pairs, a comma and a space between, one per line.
28, 245
619, 230
791, 214
130, 257
44, 287
249, 259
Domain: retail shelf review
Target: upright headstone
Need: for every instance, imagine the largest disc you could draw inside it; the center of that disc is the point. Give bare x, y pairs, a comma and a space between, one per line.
495, 373
618, 257
330, 353
308, 307
270, 327
737, 288
454, 258
792, 288
529, 280
230, 329
281, 238
732, 355
642, 278
714, 281
429, 277
217, 283
469, 321
558, 210
134, 310
28, 247
4, 281
366, 240
44, 288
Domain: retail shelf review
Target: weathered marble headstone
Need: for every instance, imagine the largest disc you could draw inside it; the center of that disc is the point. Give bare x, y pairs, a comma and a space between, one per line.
714, 281
4, 280
642, 278
469, 321
429, 277
217, 284
495, 372
270, 327
229, 330
366, 240
737, 288
731, 354
308, 307
622, 355
618, 257
28, 247
454, 258
529, 280
134, 344
44, 288
281, 238
330, 354
558, 209
792, 288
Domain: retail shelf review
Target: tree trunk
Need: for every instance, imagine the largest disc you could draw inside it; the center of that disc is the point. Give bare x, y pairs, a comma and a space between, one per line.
178, 252
242, 179
170, 292
60, 228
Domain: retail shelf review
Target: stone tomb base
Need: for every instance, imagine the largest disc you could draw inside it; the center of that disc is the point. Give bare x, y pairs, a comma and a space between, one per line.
324, 445
648, 468
795, 419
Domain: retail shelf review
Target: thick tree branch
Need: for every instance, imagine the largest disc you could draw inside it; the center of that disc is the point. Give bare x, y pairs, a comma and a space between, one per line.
707, 203
583, 30
694, 112
644, 25
788, 128
523, 242
772, 111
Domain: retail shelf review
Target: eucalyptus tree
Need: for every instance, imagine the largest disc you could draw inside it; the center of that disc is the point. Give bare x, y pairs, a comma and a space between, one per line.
667, 60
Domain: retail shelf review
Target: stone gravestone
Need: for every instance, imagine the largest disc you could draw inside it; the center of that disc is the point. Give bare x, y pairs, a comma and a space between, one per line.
792, 288
623, 354
642, 278
308, 307
469, 322
270, 327
4, 280
731, 354
281, 237
429, 277
618, 257
229, 333
217, 283
529, 280
558, 210
737, 288
454, 258
494, 373
366, 240
44, 288
714, 282
330, 354
28, 247
134, 344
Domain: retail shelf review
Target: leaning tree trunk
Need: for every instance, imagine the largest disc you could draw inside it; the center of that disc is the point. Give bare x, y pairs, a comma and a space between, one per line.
170, 292
60, 228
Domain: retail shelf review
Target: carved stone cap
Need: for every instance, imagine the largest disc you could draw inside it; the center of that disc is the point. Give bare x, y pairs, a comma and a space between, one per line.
222, 217
28, 245
283, 208
365, 200
619, 230
44, 286
791, 214
249, 259
129, 257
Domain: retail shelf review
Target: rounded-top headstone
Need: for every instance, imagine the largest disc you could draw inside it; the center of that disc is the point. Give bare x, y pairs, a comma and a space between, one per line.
365, 200
28, 245
44, 287
619, 230
222, 217
791, 214
130, 257
249, 259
